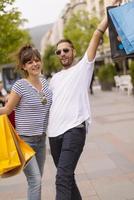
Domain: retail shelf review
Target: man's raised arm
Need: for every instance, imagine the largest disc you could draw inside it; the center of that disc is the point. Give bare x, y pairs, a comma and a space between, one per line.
97, 35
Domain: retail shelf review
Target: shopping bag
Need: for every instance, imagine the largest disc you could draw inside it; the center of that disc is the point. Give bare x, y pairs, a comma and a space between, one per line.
11, 117
25, 152
122, 18
117, 49
9, 158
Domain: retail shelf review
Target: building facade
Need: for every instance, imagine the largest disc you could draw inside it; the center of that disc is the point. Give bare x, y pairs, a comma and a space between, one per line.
56, 32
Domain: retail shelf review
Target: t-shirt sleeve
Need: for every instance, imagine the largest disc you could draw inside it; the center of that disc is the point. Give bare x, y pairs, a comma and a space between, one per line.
84, 65
85, 68
84, 61
51, 84
17, 87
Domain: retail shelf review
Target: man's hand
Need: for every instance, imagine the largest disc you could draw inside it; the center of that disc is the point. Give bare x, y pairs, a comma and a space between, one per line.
116, 2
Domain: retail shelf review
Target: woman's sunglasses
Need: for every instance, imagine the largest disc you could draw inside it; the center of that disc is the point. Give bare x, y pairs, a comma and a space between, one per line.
65, 50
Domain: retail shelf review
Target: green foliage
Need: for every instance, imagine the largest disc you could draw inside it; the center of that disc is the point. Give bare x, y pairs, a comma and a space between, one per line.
101, 2
12, 37
131, 67
79, 29
50, 61
106, 73
4, 4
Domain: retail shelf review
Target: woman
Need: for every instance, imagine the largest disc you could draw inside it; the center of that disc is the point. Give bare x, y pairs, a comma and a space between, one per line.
31, 98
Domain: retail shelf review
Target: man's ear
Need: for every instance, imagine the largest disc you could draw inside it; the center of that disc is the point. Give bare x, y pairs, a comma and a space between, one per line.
74, 52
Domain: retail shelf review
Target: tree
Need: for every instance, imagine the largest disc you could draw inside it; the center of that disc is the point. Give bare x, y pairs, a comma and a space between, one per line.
79, 29
12, 36
4, 4
50, 61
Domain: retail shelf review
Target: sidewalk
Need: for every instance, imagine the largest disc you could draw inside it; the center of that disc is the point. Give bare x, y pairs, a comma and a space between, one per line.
106, 167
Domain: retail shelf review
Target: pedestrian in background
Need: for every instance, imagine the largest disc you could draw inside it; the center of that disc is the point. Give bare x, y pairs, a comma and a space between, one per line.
31, 99
3, 94
70, 111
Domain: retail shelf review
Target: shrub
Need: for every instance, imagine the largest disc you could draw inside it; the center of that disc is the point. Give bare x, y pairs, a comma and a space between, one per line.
106, 75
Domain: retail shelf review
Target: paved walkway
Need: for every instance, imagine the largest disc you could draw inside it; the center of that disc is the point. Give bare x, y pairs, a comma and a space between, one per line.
106, 167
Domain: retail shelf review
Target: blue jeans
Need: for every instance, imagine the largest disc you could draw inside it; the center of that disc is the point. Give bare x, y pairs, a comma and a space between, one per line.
34, 169
66, 150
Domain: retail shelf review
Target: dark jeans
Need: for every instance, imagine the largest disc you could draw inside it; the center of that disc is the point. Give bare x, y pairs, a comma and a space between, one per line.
66, 150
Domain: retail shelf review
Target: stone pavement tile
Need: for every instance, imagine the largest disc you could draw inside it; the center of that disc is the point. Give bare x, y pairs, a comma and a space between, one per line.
115, 145
116, 117
120, 147
130, 175
13, 188
17, 179
126, 135
130, 199
104, 173
13, 192
96, 158
49, 173
48, 182
103, 145
80, 170
86, 188
21, 199
48, 192
94, 150
122, 162
93, 198
81, 176
114, 189
99, 163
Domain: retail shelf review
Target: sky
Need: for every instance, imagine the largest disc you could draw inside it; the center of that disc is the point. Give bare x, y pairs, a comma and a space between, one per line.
39, 12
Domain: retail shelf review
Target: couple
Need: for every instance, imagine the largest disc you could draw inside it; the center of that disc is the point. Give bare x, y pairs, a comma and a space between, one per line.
64, 104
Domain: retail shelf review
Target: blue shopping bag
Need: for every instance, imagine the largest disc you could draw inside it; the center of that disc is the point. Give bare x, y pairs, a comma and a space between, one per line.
123, 20
117, 50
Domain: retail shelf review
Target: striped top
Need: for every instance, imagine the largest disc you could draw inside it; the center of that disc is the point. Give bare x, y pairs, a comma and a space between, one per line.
31, 115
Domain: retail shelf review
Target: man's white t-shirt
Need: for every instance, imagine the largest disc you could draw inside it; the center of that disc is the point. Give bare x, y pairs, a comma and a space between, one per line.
70, 101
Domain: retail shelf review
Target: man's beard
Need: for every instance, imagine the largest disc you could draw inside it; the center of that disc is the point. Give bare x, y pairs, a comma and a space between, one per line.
67, 63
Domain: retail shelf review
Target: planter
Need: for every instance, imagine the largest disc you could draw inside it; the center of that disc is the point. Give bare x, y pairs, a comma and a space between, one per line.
105, 86
106, 76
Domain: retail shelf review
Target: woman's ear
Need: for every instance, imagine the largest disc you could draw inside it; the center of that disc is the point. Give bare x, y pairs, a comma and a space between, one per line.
23, 67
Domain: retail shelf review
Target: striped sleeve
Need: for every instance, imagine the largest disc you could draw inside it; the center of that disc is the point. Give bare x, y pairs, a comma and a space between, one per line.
17, 87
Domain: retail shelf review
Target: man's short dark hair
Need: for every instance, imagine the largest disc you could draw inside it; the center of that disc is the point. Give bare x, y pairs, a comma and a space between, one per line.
65, 40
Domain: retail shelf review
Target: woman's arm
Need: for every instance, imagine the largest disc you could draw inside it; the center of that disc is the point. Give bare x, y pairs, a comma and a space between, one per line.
12, 102
95, 40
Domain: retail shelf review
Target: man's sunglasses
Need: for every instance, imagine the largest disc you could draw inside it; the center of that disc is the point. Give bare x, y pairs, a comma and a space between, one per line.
65, 50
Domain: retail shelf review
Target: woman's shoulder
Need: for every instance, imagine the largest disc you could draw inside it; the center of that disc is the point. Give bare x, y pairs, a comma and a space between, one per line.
20, 80
19, 83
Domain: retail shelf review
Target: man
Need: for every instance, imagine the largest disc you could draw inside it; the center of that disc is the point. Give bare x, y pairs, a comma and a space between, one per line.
70, 111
